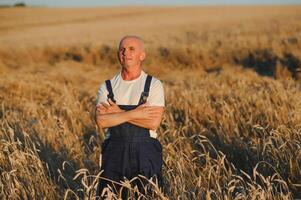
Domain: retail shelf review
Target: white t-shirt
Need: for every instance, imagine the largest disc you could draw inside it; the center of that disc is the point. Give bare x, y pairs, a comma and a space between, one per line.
129, 92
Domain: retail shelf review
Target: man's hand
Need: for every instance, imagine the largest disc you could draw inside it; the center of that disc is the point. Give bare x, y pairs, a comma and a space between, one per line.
109, 115
100, 109
108, 108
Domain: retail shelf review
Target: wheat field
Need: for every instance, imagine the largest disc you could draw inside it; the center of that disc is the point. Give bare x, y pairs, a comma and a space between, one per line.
231, 75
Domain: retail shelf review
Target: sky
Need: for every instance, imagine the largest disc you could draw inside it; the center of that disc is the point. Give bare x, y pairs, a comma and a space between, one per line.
92, 3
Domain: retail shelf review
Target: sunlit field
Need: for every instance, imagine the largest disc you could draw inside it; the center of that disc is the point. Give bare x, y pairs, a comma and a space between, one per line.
232, 80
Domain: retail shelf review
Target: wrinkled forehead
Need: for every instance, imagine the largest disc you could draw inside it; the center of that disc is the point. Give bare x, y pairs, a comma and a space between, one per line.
131, 42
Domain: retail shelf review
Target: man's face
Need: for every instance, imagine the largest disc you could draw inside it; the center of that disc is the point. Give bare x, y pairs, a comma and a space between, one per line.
131, 53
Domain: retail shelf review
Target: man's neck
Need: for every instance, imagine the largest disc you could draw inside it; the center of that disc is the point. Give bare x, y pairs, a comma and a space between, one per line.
130, 74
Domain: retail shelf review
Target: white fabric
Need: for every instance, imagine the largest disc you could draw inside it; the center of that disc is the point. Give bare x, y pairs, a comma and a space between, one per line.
129, 92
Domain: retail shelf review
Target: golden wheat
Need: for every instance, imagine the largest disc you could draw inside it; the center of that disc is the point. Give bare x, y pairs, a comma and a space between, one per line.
232, 124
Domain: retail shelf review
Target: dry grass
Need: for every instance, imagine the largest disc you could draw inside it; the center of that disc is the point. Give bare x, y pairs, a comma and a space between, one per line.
232, 81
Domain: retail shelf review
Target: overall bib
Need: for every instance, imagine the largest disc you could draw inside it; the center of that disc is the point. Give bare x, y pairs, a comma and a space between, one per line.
130, 151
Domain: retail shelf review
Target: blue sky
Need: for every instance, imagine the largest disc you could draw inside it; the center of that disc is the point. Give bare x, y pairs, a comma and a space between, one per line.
88, 3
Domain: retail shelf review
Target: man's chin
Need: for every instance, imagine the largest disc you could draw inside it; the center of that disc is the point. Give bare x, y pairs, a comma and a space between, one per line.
128, 65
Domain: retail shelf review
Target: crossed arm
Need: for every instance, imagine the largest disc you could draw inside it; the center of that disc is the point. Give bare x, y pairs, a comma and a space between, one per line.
108, 115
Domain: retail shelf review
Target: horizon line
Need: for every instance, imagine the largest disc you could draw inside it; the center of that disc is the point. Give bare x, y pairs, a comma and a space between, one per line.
156, 5
136, 5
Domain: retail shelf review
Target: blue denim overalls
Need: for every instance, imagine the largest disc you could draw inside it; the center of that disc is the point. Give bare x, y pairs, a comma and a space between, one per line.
130, 151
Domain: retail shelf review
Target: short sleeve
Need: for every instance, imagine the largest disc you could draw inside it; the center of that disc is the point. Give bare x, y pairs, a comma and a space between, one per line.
102, 94
156, 96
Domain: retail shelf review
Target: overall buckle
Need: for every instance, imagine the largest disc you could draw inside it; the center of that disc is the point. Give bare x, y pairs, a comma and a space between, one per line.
144, 96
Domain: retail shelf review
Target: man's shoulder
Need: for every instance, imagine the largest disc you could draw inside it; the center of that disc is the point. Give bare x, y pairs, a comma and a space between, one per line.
115, 77
111, 79
156, 97
156, 81
156, 84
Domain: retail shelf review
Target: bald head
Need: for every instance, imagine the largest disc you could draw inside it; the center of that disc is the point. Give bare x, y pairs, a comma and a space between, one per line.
135, 38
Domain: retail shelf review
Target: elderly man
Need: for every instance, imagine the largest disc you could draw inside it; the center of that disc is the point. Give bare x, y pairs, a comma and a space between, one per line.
130, 108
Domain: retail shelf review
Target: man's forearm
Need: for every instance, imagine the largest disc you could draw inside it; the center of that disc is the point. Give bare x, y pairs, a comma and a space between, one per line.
144, 123
113, 119
152, 123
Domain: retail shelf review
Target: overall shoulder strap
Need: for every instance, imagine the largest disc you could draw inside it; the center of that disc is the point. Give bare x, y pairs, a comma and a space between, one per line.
109, 88
145, 92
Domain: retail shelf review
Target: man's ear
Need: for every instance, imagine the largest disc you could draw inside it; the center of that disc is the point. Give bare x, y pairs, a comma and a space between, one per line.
142, 56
